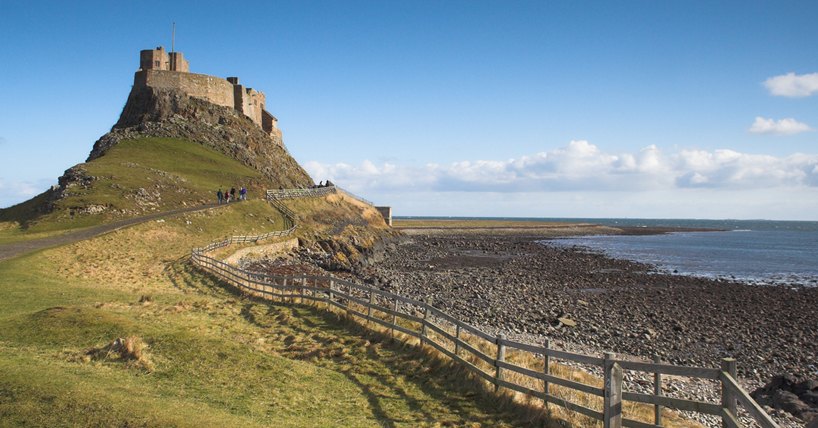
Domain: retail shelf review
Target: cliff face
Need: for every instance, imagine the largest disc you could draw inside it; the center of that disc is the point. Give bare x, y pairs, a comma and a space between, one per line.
170, 113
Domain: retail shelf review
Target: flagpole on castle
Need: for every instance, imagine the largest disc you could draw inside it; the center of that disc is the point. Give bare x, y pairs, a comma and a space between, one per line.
173, 41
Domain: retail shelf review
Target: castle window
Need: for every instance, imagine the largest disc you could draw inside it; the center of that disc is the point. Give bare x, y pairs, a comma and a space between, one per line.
156, 63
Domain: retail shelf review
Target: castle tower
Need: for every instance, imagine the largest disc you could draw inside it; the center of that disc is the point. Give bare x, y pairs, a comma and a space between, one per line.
177, 63
158, 59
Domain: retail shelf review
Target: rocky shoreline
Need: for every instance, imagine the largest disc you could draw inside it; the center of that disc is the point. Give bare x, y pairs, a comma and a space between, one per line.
511, 282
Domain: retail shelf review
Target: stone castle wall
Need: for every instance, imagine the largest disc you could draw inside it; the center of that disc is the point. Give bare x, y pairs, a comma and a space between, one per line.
214, 89
250, 102
158, 69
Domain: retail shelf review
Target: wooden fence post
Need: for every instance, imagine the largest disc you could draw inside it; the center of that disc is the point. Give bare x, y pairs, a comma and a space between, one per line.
501, 357
283, 286
657, 390
394, 317
606, 400
547, 368
349, 302
457, 340
424, 330
331, 294
728, 399
613, 397
371, 303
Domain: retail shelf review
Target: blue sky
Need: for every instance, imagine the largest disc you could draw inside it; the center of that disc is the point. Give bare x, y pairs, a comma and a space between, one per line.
557, 109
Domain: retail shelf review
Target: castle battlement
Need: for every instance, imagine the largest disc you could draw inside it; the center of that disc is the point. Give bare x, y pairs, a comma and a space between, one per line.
159, 69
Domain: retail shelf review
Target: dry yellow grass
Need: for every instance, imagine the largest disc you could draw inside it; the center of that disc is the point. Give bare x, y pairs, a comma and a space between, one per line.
527, 408
131, 350
137, 258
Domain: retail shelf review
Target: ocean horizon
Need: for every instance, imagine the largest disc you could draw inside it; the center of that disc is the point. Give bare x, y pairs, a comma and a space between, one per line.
722, 224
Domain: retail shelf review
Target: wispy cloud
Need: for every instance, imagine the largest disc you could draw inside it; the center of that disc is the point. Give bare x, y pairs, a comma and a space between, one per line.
581, 166
780, 127
12, 193
792, 85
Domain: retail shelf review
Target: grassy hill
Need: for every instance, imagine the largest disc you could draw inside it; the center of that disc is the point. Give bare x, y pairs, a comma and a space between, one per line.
121, 330
135, 177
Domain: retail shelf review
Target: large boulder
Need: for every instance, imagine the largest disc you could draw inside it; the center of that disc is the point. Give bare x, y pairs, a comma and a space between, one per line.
792, 395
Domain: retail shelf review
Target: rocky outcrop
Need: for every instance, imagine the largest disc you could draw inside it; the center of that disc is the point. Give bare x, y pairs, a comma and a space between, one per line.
153, 112
790, 394
76, 176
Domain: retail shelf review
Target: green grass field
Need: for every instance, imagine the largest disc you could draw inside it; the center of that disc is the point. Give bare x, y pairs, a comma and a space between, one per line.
198, 353
173, 173
212, 358
121, 330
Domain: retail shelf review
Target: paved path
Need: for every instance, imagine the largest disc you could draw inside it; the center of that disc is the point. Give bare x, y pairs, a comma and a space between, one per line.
17, 248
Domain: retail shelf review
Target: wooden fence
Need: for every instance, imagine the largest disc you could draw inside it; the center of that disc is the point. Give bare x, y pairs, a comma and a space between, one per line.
313, 193
242, 239
300, 193
444, 332
431, 326
354, 196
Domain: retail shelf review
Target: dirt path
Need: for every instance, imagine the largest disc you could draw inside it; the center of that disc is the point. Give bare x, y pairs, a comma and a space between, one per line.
8, 251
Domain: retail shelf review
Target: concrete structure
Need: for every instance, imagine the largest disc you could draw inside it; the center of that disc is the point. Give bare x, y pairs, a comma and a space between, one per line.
386, 212
159, 69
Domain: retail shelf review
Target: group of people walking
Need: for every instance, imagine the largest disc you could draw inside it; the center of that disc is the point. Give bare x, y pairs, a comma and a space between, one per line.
226, 197
320, 185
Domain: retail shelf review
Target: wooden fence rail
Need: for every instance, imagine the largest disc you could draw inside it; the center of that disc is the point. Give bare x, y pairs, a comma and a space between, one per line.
301, 193
420, 320
444, 332
242, 239
354, 196
313, 193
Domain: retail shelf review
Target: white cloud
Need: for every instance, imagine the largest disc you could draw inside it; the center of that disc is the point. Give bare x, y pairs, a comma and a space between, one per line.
581, 166
12, 193
776, 204
790, 85
781, 127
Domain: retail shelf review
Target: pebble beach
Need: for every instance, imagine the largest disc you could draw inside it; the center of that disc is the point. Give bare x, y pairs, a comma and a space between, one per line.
507, 280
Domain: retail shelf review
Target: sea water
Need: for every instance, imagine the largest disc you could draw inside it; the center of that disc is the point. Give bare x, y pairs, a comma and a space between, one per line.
757, 251
753, 251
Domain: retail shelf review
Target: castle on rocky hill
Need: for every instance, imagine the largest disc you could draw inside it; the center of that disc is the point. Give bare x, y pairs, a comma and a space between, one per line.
159, 69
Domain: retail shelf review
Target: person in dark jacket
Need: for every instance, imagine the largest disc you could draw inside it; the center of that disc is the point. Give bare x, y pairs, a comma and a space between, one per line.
220, 195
